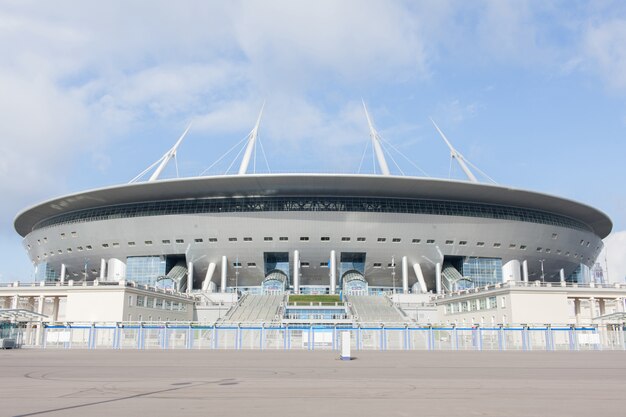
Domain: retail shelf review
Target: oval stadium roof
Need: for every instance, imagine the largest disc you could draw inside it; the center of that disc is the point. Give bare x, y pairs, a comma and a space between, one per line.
345, 185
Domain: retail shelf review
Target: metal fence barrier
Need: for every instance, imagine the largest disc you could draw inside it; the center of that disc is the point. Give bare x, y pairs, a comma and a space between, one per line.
173, 336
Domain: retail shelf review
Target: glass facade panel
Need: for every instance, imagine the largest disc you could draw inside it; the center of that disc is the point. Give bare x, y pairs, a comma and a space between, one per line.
145, 269
482, 271
45, 273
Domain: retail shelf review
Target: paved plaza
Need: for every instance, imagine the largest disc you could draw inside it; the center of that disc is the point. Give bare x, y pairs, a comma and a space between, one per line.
311, 383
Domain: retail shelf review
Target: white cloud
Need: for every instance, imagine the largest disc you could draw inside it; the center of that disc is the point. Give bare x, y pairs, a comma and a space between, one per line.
604, 47
613, 256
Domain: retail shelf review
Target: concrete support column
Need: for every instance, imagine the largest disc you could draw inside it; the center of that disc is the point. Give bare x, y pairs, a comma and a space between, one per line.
511, 271
525, 271
562, 275
223, 275
333, 271
577, 310
592, 309
438, 288
405, 275
296, 272
63, 273
40, 305
103, 269
602, 303
209, 275
55, 309
420, 277
189, 277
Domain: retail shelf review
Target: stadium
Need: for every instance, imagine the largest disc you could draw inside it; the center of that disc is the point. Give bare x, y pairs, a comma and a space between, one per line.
312, 233
252, 247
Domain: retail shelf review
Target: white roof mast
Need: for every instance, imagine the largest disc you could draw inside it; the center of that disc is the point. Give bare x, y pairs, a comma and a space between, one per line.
456, 155
380, 156
251, 143
165, 159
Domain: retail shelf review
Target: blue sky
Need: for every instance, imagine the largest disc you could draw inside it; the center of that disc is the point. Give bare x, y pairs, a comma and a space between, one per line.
533, 93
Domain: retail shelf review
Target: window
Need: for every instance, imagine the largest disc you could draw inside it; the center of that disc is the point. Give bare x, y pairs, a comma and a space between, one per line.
74, 234
430, 241
345, 239
283, 238
324, 264
555, 235
105, 245
481, 244
462, 242
325, 238
116, 244
251, 265
558, 251
69, 250
539, 249
497, 245
148, 242
566, 253
449, 242
548, 250
416, 241
62, 235
382, 239
166, 241
304, 264
377, 265
237, 264
232, 239
522, 247
129, 244
198, 240
360, 239
396, 240
268, 238
180, 241
79, 248
247, 239
582, 242
304, 238
512, 246
212, 239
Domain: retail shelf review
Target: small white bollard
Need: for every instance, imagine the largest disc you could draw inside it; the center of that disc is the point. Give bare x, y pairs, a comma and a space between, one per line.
345, 346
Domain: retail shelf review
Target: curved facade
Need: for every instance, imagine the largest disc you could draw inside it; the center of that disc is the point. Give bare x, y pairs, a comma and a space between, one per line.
224, 232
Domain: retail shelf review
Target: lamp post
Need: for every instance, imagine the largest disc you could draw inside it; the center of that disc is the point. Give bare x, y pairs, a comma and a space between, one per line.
393, 273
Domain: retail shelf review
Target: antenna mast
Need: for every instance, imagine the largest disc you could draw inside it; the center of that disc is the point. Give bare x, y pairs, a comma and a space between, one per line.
456, 155
380, 156
251, 142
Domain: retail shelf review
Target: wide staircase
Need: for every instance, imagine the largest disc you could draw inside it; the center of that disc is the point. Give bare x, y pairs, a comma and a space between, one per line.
255, 308
375, 309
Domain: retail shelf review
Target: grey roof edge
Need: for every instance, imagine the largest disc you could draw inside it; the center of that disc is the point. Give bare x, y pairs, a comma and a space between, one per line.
313, 184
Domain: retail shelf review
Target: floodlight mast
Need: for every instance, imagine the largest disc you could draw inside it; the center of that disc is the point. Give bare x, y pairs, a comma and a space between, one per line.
165, 159
456, 155
243, 168
378, 150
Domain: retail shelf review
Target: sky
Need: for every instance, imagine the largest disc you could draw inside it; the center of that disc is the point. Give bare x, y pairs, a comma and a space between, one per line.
532, 93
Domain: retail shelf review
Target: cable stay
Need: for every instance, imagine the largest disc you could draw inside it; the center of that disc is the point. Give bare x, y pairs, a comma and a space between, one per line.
379, 151
460, 159
367, 144
163, 161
